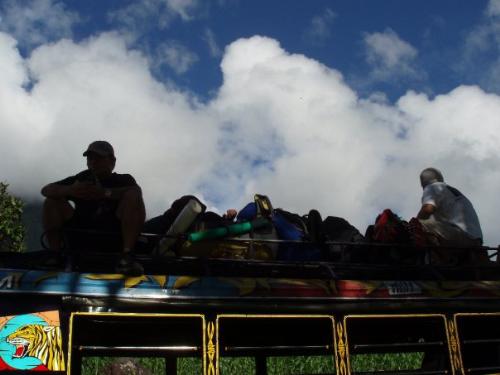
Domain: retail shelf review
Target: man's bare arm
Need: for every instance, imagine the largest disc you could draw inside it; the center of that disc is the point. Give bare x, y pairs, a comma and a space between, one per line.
86, 191
54, 190
426, 211
117, 193
83, 190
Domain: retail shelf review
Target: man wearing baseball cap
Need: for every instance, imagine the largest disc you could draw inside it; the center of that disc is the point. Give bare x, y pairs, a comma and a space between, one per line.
104, 202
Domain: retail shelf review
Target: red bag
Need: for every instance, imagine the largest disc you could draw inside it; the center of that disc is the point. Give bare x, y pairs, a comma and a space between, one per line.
389, 228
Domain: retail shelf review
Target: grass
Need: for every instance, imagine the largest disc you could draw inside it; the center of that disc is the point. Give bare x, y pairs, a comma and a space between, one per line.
387, 362
246, 365
300, 365
141, 366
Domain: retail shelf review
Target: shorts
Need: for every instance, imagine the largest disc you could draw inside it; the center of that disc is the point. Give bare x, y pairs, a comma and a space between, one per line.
449, 234
455, 242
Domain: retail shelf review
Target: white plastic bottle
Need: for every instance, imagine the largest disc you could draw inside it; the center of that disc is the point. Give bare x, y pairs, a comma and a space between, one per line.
181, 223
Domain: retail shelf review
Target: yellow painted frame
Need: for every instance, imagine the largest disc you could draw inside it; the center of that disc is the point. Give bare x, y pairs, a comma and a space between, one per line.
161, 315
273, 316
456, 329
389, 316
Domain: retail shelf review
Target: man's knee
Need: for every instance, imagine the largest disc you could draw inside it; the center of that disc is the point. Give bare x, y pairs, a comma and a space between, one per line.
132, 196
57, 208
52, 203
131, 200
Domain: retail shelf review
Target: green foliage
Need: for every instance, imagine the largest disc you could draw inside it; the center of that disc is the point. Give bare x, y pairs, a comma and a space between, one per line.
126, 366
12, 230
95, 365
300, 365
188, 366
386, 362
276, 365
279, 365
146, 366
237, 365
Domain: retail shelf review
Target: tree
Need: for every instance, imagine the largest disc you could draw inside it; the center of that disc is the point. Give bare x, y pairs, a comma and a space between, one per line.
12, 230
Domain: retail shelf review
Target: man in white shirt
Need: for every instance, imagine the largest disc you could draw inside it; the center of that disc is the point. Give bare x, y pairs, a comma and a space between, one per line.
446, 214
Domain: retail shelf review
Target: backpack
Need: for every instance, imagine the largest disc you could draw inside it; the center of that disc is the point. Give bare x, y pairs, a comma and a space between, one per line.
286, 226
289, 226
389, 228
339, 229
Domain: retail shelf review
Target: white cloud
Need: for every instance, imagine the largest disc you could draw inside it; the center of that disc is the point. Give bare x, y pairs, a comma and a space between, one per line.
319, 29
486, 34
173, 54
140, 16
482, 46
281, 124
213, 47
297, 132
389, 56
458, 132
491, 78
35, 22
98, 89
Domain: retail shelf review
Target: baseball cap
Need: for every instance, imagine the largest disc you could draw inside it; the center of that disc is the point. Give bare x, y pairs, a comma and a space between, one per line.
102, 148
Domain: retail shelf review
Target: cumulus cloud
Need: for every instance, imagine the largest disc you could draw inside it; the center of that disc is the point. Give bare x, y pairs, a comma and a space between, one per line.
389, 56
280, 124
319, 29
176, 56
296, 131
98, 89
36, 22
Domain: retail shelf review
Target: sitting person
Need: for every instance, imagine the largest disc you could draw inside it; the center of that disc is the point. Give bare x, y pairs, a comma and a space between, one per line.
104, 201
447, 216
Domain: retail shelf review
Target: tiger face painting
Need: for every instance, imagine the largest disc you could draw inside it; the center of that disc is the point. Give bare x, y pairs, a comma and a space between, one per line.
42, 342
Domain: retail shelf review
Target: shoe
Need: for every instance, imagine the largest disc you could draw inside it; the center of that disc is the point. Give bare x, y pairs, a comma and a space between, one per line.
128, 266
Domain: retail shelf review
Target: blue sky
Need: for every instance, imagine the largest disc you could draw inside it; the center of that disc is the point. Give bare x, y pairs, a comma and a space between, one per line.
335, 105
332, 32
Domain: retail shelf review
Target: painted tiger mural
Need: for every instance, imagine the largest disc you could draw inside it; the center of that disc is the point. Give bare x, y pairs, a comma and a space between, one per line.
40, 341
